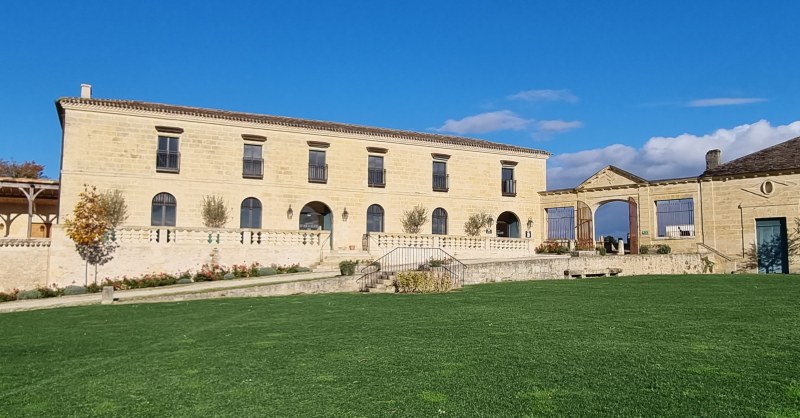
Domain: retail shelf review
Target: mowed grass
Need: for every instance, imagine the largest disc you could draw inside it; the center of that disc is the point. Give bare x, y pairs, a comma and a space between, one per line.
640, 346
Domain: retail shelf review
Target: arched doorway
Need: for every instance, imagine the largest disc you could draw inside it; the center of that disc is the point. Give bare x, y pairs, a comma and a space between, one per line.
507, 225
615, 220
316, 215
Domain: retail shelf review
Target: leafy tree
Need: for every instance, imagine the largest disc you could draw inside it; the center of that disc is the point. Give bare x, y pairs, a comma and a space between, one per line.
27, 169
413, 219
115, 207
215, 212
88, 228
770, 254
476, 223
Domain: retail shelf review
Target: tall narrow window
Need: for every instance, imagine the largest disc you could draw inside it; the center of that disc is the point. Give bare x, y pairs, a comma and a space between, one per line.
440, 180
561, 223
163, 210
168, 158
376, 175
375, 218
675, 217
252, 163
439, 221
508, 184
317, 169
250, 213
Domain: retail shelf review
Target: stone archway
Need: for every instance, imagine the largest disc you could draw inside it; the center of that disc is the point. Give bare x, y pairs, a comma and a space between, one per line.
620, 224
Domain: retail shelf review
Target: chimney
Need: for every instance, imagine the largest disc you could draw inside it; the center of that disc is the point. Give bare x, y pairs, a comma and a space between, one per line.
712, 159
86, 91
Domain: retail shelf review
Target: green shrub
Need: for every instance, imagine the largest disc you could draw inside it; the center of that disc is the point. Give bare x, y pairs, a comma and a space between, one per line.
435, 263
663, 249
267, 271
8, 296
29, 294
423, 282
229, 276
644, 249
254, 270
184, 280
551, 248
75, 290
95, 287
50, 291
601, 250
303, 269
347, 268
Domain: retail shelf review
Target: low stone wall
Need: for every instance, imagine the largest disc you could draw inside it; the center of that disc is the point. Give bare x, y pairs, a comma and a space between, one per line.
161, 250
328, 285
555, 267
23, 263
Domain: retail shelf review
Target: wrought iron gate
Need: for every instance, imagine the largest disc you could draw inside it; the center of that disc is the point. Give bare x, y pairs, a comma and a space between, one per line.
585, 229
633, 226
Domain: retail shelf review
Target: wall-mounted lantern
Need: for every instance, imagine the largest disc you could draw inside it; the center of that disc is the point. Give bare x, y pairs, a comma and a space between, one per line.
489, 224
530, 223
289, 213
345, 215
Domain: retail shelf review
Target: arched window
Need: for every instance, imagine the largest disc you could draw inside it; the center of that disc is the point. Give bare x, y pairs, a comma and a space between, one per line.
439, 218
250, 216
375, 218
163, 210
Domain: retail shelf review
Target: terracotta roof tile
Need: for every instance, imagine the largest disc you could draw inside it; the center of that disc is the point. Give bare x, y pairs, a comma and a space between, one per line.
296, 123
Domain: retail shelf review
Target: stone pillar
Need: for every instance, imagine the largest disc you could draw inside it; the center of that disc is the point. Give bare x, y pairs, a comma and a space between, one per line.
108, 295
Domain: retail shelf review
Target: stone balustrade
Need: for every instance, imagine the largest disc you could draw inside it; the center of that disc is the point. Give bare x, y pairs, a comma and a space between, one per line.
209, 236
458, 246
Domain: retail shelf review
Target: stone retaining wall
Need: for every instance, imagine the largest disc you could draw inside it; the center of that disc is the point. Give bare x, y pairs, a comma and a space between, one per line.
555, 267
328, 285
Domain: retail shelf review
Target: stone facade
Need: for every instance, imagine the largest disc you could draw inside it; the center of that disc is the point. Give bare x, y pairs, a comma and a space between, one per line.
113, 144
726, 207
114, 148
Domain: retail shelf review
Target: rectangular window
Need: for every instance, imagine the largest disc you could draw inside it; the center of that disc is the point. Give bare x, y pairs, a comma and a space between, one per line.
561, 223
675, 218
317, 169
376, 175
440, 178
168, 159
508, 184
252, 163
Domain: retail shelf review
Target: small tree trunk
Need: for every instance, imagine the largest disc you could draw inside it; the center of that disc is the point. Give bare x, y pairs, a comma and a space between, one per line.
86, 274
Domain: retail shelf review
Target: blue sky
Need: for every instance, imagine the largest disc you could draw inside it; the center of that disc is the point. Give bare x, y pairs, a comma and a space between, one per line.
647, 86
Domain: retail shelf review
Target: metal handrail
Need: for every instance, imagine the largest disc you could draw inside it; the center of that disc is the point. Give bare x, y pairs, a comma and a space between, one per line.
403, 259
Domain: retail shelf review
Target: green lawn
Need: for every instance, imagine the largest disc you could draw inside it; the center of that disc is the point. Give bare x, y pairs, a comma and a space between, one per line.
640, 346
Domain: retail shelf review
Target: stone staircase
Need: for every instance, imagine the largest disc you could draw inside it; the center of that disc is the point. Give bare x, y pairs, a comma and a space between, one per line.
331, 260
383, 284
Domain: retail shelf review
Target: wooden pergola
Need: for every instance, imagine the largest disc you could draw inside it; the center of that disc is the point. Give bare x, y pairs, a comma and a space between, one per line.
30, 189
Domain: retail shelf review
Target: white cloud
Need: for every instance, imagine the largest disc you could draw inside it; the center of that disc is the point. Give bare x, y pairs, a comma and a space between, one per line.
501, 120
545, 96
558, 125
725, 101
667, 157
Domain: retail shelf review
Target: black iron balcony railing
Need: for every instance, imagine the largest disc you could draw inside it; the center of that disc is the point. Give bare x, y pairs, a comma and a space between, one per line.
253, 168
169, 161
318, 173
509, 187
441, 182
376, 177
